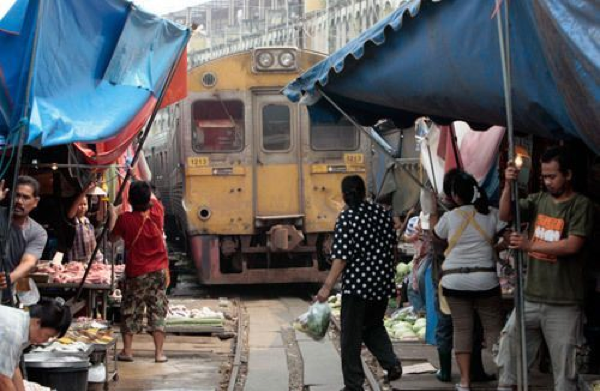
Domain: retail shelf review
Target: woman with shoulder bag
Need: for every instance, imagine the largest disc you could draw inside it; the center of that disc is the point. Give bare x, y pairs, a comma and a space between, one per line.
469, 279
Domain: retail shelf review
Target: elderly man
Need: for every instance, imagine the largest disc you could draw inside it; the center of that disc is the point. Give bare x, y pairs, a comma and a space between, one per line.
26, 238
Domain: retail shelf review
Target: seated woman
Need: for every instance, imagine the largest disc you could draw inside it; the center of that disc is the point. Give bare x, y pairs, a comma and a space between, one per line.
85, 235
469, 278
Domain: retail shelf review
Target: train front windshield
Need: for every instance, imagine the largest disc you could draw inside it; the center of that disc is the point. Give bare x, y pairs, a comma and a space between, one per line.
329, 134
217, 126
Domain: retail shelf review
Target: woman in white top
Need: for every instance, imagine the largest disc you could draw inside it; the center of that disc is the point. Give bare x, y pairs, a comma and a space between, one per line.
469, 278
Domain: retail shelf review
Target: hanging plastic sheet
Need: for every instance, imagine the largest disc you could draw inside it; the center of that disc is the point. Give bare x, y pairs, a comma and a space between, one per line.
478, 153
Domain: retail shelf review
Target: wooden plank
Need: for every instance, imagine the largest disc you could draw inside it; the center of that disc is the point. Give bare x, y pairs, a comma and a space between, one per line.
54, 285
195, 329
181, 344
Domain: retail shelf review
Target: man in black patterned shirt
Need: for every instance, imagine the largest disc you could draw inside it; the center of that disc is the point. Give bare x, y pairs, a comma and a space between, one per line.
363, 253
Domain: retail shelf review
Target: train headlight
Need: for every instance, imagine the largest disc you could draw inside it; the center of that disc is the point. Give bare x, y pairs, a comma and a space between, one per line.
265, 60
284, 59
287, 59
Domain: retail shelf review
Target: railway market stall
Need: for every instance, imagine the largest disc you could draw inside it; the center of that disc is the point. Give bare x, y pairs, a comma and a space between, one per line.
80, 81
527, 66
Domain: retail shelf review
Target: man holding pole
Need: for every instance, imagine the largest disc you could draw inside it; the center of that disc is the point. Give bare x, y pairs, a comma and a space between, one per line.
560, 221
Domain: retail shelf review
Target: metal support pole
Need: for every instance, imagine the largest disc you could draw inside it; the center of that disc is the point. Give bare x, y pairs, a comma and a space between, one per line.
503, 37
431, 165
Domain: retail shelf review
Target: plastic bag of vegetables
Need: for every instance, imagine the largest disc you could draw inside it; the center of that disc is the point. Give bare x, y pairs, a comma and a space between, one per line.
315, 321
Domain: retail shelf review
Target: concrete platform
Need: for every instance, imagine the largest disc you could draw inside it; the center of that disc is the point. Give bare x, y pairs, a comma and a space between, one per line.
265, 339
417, 352
267, 361
322, 364
267, 370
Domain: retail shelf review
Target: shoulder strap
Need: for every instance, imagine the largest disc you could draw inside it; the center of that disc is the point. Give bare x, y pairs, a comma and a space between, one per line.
481, 230
469, 218
454, 239
145, 215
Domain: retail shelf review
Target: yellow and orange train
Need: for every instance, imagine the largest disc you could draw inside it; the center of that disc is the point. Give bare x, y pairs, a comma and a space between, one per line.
251, 181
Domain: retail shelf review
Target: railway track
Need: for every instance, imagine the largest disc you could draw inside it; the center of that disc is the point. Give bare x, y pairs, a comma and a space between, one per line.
258, 350
274, 315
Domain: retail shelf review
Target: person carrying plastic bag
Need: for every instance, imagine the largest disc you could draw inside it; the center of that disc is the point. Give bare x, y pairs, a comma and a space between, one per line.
363, 254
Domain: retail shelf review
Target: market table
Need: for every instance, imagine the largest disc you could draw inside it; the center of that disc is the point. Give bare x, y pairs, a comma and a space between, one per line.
95, 354
100, 354
91, 292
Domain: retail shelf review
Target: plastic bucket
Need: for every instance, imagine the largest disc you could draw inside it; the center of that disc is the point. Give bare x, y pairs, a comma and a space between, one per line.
60, 378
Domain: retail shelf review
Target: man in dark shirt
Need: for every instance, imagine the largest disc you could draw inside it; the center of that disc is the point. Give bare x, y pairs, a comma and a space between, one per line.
363, 253
26, 238
560, 223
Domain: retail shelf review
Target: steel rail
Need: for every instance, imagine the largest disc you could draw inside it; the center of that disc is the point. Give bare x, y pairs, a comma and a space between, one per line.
237, 357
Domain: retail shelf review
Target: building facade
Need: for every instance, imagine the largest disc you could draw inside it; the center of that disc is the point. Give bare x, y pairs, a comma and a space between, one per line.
222, 27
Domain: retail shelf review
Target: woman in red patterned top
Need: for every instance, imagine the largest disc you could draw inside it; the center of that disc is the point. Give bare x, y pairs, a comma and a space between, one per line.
146, 268
84, 241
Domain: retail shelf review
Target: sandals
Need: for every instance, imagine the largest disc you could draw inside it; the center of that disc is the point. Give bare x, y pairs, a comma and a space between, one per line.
123, 357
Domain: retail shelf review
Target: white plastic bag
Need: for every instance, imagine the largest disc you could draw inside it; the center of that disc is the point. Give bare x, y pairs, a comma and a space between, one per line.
30, 297
315, 321
97, 373
428, 201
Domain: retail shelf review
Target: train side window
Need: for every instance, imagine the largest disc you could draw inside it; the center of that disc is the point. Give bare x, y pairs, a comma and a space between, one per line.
217, 126
276, 127
328, 134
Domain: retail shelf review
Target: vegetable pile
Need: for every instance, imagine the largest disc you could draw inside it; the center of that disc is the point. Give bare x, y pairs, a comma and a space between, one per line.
404, 325
335, 303
179, 315
402, 271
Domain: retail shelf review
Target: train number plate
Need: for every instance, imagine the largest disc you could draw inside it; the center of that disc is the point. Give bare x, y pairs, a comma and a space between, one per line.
354, 158
198, 161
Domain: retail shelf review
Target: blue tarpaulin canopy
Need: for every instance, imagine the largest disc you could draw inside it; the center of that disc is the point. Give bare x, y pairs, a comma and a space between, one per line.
442, 60
92, 66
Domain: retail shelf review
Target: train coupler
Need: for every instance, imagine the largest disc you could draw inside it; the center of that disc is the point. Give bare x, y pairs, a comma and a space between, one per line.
284, 237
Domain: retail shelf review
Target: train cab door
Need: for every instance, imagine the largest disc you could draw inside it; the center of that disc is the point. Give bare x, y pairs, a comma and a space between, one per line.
277, 168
